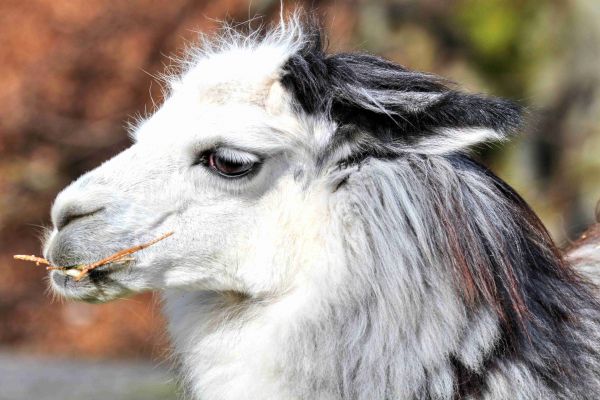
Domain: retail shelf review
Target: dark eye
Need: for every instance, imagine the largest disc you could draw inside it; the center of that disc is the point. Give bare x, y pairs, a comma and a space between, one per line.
230, 163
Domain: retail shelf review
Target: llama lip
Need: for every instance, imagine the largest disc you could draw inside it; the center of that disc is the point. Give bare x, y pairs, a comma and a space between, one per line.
63, 280
93, 288
68, 287
66, 279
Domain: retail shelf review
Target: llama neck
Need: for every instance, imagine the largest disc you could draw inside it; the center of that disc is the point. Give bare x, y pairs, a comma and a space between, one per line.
232, 348
299, 347
304, 347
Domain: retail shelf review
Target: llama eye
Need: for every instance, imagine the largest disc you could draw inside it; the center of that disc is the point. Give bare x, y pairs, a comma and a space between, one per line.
231, 164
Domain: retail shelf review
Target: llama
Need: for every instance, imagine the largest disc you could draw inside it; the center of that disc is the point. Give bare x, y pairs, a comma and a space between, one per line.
333, 237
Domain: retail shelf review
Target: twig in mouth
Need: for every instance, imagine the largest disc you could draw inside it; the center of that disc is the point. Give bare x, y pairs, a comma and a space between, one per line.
32, 258
84, 269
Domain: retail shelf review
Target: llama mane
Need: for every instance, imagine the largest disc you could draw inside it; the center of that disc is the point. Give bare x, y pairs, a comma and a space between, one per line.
430, 218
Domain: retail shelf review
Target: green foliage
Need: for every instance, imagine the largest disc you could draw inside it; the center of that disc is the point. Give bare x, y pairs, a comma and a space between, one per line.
496, 33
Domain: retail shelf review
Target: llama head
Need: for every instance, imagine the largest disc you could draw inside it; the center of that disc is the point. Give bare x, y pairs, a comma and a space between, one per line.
246, 161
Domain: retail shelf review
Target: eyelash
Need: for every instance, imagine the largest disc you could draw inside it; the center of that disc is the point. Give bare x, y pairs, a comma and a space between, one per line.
228, 166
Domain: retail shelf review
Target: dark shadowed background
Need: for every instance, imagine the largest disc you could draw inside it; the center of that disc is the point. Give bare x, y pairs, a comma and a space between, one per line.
73, 72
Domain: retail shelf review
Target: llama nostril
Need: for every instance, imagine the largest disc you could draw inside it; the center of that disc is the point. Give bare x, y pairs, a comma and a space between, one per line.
71, 214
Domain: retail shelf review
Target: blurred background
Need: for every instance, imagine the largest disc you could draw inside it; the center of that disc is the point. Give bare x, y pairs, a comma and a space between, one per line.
74, 72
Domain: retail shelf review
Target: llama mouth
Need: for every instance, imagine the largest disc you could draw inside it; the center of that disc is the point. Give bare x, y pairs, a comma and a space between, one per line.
98, 286
65, 280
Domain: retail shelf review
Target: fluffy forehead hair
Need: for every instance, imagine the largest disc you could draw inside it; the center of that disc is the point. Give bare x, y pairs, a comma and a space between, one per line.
377, 106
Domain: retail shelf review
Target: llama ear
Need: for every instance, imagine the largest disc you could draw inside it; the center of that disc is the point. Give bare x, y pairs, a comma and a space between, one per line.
392, 108
456, 121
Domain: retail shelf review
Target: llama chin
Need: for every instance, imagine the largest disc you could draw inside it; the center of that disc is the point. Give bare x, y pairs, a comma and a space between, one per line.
334, 239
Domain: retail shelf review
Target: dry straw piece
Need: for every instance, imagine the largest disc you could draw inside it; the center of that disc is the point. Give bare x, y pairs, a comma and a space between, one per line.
84, 269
